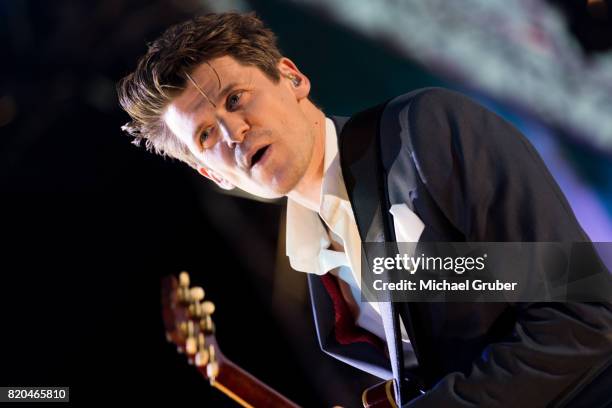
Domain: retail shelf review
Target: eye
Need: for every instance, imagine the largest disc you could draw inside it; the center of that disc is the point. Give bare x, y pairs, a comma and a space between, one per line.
204, 136
232, 101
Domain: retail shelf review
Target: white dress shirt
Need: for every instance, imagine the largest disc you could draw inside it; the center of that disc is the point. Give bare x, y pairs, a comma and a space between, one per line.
308, 241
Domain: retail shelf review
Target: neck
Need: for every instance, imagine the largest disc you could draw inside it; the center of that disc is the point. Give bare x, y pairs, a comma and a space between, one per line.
308, 191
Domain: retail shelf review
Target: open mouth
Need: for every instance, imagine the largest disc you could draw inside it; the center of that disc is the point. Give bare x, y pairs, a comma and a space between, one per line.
259, 154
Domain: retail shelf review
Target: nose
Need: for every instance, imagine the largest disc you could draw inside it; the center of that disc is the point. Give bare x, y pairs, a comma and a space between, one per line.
233, 131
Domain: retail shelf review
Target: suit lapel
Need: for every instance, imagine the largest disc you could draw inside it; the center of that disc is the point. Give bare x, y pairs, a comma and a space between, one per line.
364, 180
358, 158
361, 355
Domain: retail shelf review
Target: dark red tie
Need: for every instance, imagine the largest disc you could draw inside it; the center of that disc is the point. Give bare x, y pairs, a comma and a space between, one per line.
346, 331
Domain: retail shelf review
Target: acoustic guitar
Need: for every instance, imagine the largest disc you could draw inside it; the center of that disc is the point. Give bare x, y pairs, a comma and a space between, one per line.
189, 325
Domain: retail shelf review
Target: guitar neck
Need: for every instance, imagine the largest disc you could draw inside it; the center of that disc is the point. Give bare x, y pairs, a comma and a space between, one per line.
247, 390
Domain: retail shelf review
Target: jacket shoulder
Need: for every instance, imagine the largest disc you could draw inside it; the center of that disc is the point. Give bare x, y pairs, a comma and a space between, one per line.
435, 101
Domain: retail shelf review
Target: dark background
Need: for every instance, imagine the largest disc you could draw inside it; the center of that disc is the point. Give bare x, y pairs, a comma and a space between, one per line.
90, 223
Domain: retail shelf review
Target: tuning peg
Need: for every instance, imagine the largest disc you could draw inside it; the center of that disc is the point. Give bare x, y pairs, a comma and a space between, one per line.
182, 327
195, 311
201, 357
201, 341
184, 279
198, 310
212, 369
191, 346
208, 308
182, 294
206, 325
196, 294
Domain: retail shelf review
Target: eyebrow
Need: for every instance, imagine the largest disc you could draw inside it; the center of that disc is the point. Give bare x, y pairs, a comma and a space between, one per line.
204, 98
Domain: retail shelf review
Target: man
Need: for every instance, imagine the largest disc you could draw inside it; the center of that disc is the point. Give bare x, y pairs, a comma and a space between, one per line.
430, 165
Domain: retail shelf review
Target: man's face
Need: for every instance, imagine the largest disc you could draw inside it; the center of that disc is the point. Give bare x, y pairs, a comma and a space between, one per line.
245, 130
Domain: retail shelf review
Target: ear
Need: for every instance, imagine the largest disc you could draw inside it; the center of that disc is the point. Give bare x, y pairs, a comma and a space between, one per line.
291, 75
220, 181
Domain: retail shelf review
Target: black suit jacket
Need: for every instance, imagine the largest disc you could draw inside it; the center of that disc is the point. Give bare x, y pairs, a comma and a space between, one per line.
471, 176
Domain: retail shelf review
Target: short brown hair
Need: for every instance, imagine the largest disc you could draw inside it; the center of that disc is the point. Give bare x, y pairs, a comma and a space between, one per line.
160, 74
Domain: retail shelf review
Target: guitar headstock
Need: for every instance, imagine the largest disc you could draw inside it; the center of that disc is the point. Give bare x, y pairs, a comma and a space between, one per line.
188, 323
